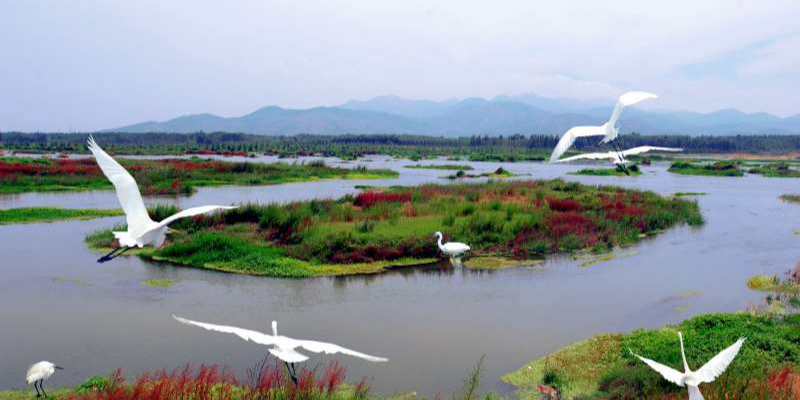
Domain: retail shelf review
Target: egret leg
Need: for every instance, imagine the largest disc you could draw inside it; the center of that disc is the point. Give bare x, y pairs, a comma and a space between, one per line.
37, 388
291, 372
41, 382
113, 254
619, 154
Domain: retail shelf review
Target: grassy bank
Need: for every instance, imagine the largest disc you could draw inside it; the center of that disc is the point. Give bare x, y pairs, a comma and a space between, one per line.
376, 230
719, 168
166, 176
602, 367
28, 215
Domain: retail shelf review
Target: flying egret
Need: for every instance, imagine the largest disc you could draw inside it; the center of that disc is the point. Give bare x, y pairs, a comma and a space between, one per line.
141, 229
453, 250
706, 374
618, 158
609, 130
283, 347
38, 373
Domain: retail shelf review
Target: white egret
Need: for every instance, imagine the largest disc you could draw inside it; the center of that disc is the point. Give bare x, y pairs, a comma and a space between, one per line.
283, 347
609, 130
618, 157
451, 249
692, 379
142, 230
38, 373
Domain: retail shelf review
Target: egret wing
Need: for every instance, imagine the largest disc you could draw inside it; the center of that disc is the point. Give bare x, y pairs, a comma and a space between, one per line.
330, 348
127, 191
190, 212
568, 139
668, 373
246, 334
628, 99
645, 149
717, 365
588, 156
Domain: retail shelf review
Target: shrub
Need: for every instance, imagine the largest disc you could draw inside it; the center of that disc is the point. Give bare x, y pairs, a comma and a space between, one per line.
370, 198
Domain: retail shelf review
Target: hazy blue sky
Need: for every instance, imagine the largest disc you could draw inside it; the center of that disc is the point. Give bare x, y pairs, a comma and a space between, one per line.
86, 65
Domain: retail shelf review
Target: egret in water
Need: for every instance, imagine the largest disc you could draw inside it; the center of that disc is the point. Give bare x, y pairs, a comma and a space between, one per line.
706, 374
609, 130
283, 347
38, 373
618, 157
453, 250
142, 230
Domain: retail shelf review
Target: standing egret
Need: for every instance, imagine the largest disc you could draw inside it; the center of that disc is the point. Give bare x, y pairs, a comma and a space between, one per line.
283, 347
38, 373
617, 157
706, 374
453, 250
609, 130
141, 229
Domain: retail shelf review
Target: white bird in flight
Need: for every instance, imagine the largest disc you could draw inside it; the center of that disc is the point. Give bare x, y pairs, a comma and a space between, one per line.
283, 347
38, 373
609, 129
142, 230
618, 157
692, 379
451, 249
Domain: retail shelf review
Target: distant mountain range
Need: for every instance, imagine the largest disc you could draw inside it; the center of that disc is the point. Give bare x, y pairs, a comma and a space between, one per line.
503, 115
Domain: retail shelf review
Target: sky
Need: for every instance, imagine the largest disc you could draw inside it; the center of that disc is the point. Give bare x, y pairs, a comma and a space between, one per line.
96, 64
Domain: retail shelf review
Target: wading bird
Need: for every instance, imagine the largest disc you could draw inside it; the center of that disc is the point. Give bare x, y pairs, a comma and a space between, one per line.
38, 373
617, 157
609, 130
142, 230
283, 347
706, 374
453, 250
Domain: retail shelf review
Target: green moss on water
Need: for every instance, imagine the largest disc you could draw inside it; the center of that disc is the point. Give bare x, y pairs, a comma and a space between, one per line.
455, 167
29, 215
791, 198
607, 172
158, 283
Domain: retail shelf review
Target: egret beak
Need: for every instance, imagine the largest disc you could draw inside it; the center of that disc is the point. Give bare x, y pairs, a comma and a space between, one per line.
57, 367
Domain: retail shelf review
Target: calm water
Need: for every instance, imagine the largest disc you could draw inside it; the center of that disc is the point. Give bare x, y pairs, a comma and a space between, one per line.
57, 303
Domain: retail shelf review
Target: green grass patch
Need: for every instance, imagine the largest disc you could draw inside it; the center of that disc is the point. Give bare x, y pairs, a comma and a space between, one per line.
719, 168
603, 368
455, 167
687, 194
772, 283
776, 170
490, 262
29, 215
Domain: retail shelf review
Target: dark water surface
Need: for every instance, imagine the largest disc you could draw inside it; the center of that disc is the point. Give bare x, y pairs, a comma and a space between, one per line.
433, 323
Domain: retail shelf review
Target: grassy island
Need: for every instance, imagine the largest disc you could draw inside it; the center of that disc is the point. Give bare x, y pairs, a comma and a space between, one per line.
454, 167
632, 171
719, 168
164, 176
29, 215
791, 198
375, 230
776, 170
602, 367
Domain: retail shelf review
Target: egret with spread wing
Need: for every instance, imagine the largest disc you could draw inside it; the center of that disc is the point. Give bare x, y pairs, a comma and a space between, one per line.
283, 347
609, 130
692, 379
142, 230
618, 157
